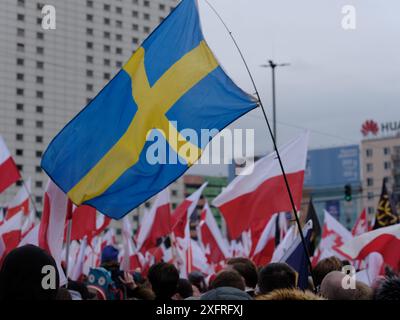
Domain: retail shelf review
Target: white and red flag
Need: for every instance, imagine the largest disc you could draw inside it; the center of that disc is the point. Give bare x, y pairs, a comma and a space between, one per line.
385, 241
130, 259
20, 202
253, 197
214, 244
262, 251
361, 224
156, 223
10, 234
334, 235
181, 230
29, 223
77, 267
52, 224
9, 173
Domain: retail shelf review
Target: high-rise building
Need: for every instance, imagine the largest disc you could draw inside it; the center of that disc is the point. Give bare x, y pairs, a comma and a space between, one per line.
380, 160
48, 76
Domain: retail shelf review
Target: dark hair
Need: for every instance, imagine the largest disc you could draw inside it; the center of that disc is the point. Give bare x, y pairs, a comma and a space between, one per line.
164, 279
228, 278
196, 278
185, 289
21, 275
276, 276
247, 270
324, 267
388, 289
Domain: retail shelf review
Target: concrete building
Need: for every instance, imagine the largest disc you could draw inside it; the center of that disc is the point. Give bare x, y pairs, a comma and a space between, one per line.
380, 159
48, 76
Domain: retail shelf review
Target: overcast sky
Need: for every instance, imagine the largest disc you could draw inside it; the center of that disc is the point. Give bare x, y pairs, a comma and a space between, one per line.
337, 79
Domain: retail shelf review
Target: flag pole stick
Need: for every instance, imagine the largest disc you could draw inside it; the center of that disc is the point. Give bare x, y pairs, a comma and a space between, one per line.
306, 251
30, 196
68, 240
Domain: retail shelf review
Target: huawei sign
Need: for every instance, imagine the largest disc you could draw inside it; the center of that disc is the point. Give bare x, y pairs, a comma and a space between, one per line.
370, 127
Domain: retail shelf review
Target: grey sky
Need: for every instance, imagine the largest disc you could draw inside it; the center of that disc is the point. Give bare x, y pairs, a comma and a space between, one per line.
338, 78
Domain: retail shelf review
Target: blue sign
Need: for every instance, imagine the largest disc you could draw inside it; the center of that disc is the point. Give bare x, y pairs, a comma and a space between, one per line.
333, 167
333, 207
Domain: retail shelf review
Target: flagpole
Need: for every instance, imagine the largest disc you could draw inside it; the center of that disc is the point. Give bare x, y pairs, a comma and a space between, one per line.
306, 251
68, 240
30, 195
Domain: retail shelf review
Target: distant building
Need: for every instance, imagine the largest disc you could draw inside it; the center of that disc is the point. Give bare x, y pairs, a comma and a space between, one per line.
380, 159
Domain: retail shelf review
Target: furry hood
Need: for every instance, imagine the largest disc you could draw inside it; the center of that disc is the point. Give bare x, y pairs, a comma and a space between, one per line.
289, 294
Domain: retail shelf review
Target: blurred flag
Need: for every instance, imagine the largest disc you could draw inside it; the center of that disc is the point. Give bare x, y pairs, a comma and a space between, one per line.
20, 202
316, 233
172, 82
10, 234
361, 224
9, 173
297, 258
386, 214
250, 200
264, 248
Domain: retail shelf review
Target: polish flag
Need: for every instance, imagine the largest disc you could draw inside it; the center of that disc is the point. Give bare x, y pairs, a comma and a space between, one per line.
253, 197
9, 173
334, 235
83, 222
181, 231
77, 268
130, 260
264, 249
361, 225
156, 223
374, 268
199, 259
29, 223
102, 223
108, 239
52, 224
211, 239
32, 237
385, 241
20, 202
10, 234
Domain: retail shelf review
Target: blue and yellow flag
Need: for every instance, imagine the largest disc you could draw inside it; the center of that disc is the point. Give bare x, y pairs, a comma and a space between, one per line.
171, 83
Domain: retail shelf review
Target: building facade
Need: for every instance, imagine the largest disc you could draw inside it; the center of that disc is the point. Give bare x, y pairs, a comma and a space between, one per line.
380, 160
48, 76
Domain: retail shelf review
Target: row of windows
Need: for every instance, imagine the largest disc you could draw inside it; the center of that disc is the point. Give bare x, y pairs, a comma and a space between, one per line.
20, 123
20, 153
107, 7
21, 107
21, 92
370, 181
387, 165
370, 152
20, 137
20, 167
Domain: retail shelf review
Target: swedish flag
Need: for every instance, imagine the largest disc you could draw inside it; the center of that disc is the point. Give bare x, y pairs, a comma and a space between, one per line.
172, 82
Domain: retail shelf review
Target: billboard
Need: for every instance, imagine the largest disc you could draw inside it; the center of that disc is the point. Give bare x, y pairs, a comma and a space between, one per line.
333, 167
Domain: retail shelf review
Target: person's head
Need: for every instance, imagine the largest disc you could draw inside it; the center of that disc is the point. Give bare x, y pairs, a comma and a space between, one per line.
109, 257
164, 279
229, 278
247, 270
197, 279
184, 289
23, 273
388, 289
332, 288
324, 267
276, 276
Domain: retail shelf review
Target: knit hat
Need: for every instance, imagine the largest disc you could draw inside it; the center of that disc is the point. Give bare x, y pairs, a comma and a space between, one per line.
109, 254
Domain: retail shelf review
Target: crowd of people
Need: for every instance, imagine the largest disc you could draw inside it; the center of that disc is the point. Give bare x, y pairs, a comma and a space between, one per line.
22, 277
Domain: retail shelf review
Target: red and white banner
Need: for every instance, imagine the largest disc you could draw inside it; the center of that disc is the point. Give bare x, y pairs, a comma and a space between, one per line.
250, 200
10, 234
262, 252
20, 202
361, 224
334, 235
9, 173
385, 241
52, 224
215, 246
156, 223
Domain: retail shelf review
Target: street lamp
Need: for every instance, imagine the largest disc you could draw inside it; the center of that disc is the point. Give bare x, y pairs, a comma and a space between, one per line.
271, 64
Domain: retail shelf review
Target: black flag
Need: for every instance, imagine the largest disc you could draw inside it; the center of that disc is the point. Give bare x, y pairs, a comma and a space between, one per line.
386, 214
316, 232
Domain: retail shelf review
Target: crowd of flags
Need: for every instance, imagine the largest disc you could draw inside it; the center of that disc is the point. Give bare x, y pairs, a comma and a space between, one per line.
98, 163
